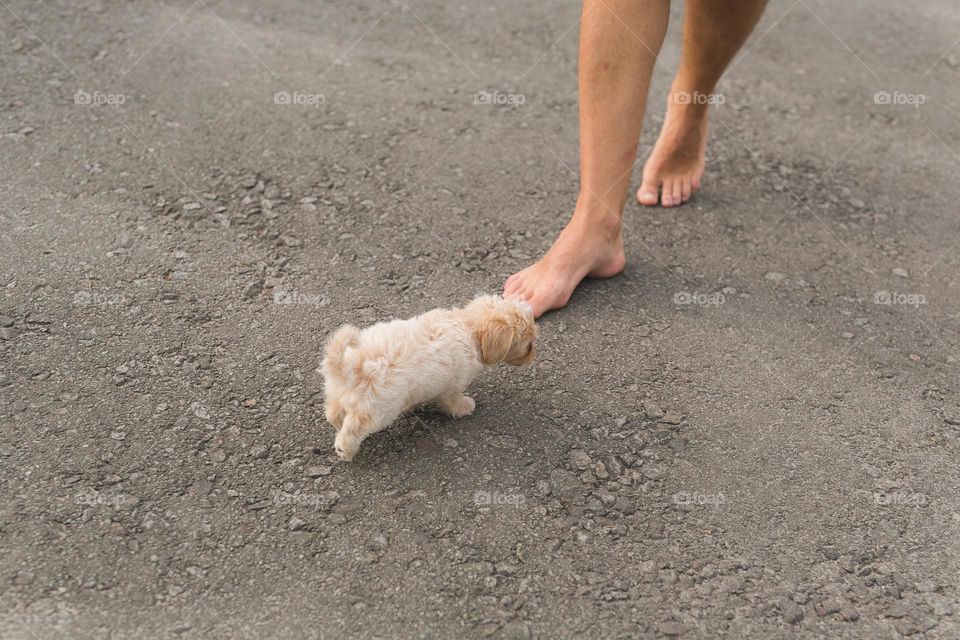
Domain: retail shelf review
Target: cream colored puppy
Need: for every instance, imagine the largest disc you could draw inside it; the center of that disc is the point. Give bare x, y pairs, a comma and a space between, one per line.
374, 375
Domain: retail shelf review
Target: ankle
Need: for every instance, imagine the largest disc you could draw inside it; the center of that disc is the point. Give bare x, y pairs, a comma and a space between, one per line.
692, 98
598, 215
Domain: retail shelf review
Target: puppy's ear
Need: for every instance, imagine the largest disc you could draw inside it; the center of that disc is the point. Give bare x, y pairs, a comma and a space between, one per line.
496, 338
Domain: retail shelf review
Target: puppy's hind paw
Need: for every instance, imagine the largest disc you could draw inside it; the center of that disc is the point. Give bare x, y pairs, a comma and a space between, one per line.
460, 407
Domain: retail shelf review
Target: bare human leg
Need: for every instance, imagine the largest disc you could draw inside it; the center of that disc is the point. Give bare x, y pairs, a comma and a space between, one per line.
619, 42
712, 33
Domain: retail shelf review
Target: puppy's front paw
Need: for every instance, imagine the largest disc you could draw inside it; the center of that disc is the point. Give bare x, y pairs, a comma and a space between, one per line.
462, 406
346, 447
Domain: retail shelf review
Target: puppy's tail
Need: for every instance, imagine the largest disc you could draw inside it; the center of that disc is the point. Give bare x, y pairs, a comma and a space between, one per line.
336, 360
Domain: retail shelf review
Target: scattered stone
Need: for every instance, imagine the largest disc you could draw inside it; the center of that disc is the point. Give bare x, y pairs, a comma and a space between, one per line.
606, 498
565, 485
515, 630
6, 321
653, 471
897, 611
830, 606
848, 563
906, 627
652, 410
297, 523
595, 506
258, 451
793, 613
672, 417
580, 459
774, 276
901, 272
614, 466
672, 629
200, 488
600, 471
316, 471
253, 289
830, 552
326, 499
849, 614
624, 505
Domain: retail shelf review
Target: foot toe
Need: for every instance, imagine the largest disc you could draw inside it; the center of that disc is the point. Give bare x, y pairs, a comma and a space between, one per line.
647, 198
666, 196
647, 194
678, 191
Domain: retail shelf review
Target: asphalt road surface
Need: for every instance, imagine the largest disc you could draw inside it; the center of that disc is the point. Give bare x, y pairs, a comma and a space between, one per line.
752, 433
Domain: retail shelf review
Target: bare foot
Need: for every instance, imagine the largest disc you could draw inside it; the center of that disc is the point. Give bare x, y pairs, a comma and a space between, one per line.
675, 166
591, 245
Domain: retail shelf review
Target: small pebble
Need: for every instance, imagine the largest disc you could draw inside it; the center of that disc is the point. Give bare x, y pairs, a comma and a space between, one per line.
316, 471
297, 523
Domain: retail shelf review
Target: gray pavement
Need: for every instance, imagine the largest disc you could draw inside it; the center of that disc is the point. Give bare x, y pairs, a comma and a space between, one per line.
752, 433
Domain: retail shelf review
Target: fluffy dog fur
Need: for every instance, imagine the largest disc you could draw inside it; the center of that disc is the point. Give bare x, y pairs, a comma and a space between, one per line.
374, 375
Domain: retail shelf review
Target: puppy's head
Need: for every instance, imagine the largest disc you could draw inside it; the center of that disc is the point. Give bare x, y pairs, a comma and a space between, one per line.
504, 330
